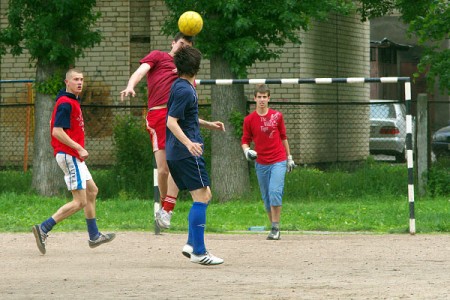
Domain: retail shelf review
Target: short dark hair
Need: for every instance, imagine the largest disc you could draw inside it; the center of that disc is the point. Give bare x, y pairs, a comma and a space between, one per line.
187, 60
181, 35
262, 88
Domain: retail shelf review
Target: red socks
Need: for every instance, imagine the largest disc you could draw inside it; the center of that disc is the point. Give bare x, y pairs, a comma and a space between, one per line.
169, 203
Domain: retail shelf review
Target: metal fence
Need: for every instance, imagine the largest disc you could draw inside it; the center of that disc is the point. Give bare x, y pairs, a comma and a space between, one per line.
17, 132
318, 132
314, 129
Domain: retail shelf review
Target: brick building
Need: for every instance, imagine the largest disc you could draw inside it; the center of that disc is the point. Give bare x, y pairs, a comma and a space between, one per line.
336, 48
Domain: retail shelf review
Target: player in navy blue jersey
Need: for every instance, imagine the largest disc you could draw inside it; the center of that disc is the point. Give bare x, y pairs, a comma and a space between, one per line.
184, 150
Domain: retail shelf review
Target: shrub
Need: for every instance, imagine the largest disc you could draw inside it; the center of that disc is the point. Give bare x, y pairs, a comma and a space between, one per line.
15, 181
341, 181
439, 178
134, 157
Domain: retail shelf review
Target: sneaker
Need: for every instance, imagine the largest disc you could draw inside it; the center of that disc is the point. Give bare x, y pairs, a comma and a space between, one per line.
103, 238
187, 250
157, 227
206, 259
163, 217
274, 234
40, 237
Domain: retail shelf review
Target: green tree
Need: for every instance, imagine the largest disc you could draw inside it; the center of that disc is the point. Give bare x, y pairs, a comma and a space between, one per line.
55, 34
429, 21
236, 34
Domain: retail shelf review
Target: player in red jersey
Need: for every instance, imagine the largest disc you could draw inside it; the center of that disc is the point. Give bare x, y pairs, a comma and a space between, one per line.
161, 72
265, 128
67, 139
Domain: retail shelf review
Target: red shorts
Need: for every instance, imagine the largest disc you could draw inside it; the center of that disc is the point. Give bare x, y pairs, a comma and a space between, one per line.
156, 127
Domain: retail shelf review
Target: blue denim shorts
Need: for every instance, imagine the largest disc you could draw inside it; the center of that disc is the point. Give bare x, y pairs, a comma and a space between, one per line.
271, 183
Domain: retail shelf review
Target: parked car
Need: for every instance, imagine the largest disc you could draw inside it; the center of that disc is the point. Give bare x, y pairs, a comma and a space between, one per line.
440, 142
388, 129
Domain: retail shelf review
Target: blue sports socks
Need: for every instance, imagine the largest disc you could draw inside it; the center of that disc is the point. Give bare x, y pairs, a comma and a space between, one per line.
197, 221
92, 229
47, 225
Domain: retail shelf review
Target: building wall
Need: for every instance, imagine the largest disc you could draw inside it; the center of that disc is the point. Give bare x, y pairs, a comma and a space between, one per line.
323, 133
336, 48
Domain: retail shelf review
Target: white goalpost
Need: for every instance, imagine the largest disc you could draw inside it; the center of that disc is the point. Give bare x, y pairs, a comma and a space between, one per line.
349, 80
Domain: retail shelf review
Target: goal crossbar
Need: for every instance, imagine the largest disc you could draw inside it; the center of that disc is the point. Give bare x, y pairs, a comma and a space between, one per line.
303, 80
350, 80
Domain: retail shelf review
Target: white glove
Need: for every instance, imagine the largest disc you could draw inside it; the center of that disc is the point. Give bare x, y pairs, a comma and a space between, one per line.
290, 164
250, 154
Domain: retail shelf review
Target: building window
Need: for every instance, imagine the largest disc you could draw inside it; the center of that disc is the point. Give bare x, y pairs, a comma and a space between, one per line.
388, 56
373, 54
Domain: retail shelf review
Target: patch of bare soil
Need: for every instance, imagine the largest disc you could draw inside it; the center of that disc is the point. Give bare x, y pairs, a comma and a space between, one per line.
299, 266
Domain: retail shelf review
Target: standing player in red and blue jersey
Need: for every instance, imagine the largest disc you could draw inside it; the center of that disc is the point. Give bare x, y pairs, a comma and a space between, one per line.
265, 128
67, 132
184, 149
161, 72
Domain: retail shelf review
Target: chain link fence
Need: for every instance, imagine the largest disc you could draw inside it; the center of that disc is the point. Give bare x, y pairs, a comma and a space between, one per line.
17, 132
325, 132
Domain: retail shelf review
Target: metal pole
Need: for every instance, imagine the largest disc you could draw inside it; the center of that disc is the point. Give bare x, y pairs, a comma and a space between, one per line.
410, 161
156, 199
27, 128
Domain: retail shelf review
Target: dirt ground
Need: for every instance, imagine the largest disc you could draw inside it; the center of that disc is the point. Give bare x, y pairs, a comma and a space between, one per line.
142, 265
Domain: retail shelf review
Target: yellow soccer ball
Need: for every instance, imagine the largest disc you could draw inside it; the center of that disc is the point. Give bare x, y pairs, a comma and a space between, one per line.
190, 23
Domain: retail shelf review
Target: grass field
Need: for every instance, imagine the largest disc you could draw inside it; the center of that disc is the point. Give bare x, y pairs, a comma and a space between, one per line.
371, 197
319, 255
383, 215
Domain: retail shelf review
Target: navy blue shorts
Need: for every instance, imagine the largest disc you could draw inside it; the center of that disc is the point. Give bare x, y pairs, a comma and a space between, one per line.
189, 173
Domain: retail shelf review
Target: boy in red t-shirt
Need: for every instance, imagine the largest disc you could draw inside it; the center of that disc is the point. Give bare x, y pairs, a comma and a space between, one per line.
265, 128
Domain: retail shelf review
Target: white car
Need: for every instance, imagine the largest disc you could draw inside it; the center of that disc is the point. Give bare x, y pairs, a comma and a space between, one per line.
388, 128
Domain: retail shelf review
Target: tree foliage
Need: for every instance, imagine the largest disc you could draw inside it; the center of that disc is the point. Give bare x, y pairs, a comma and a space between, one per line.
54, 32
236, 34
429, 21
432, 27
243, 32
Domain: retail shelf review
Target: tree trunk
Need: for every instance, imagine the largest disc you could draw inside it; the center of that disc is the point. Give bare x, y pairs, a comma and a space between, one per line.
47, 176
229, 169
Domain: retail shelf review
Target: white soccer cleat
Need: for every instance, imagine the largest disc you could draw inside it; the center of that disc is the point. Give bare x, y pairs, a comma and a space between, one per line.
163, 218
206, 259
187, 250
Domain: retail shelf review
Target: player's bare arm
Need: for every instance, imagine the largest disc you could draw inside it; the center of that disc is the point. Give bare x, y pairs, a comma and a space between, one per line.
245, 146
194, 148
134, 80
214, 125
61, 135
286, 146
